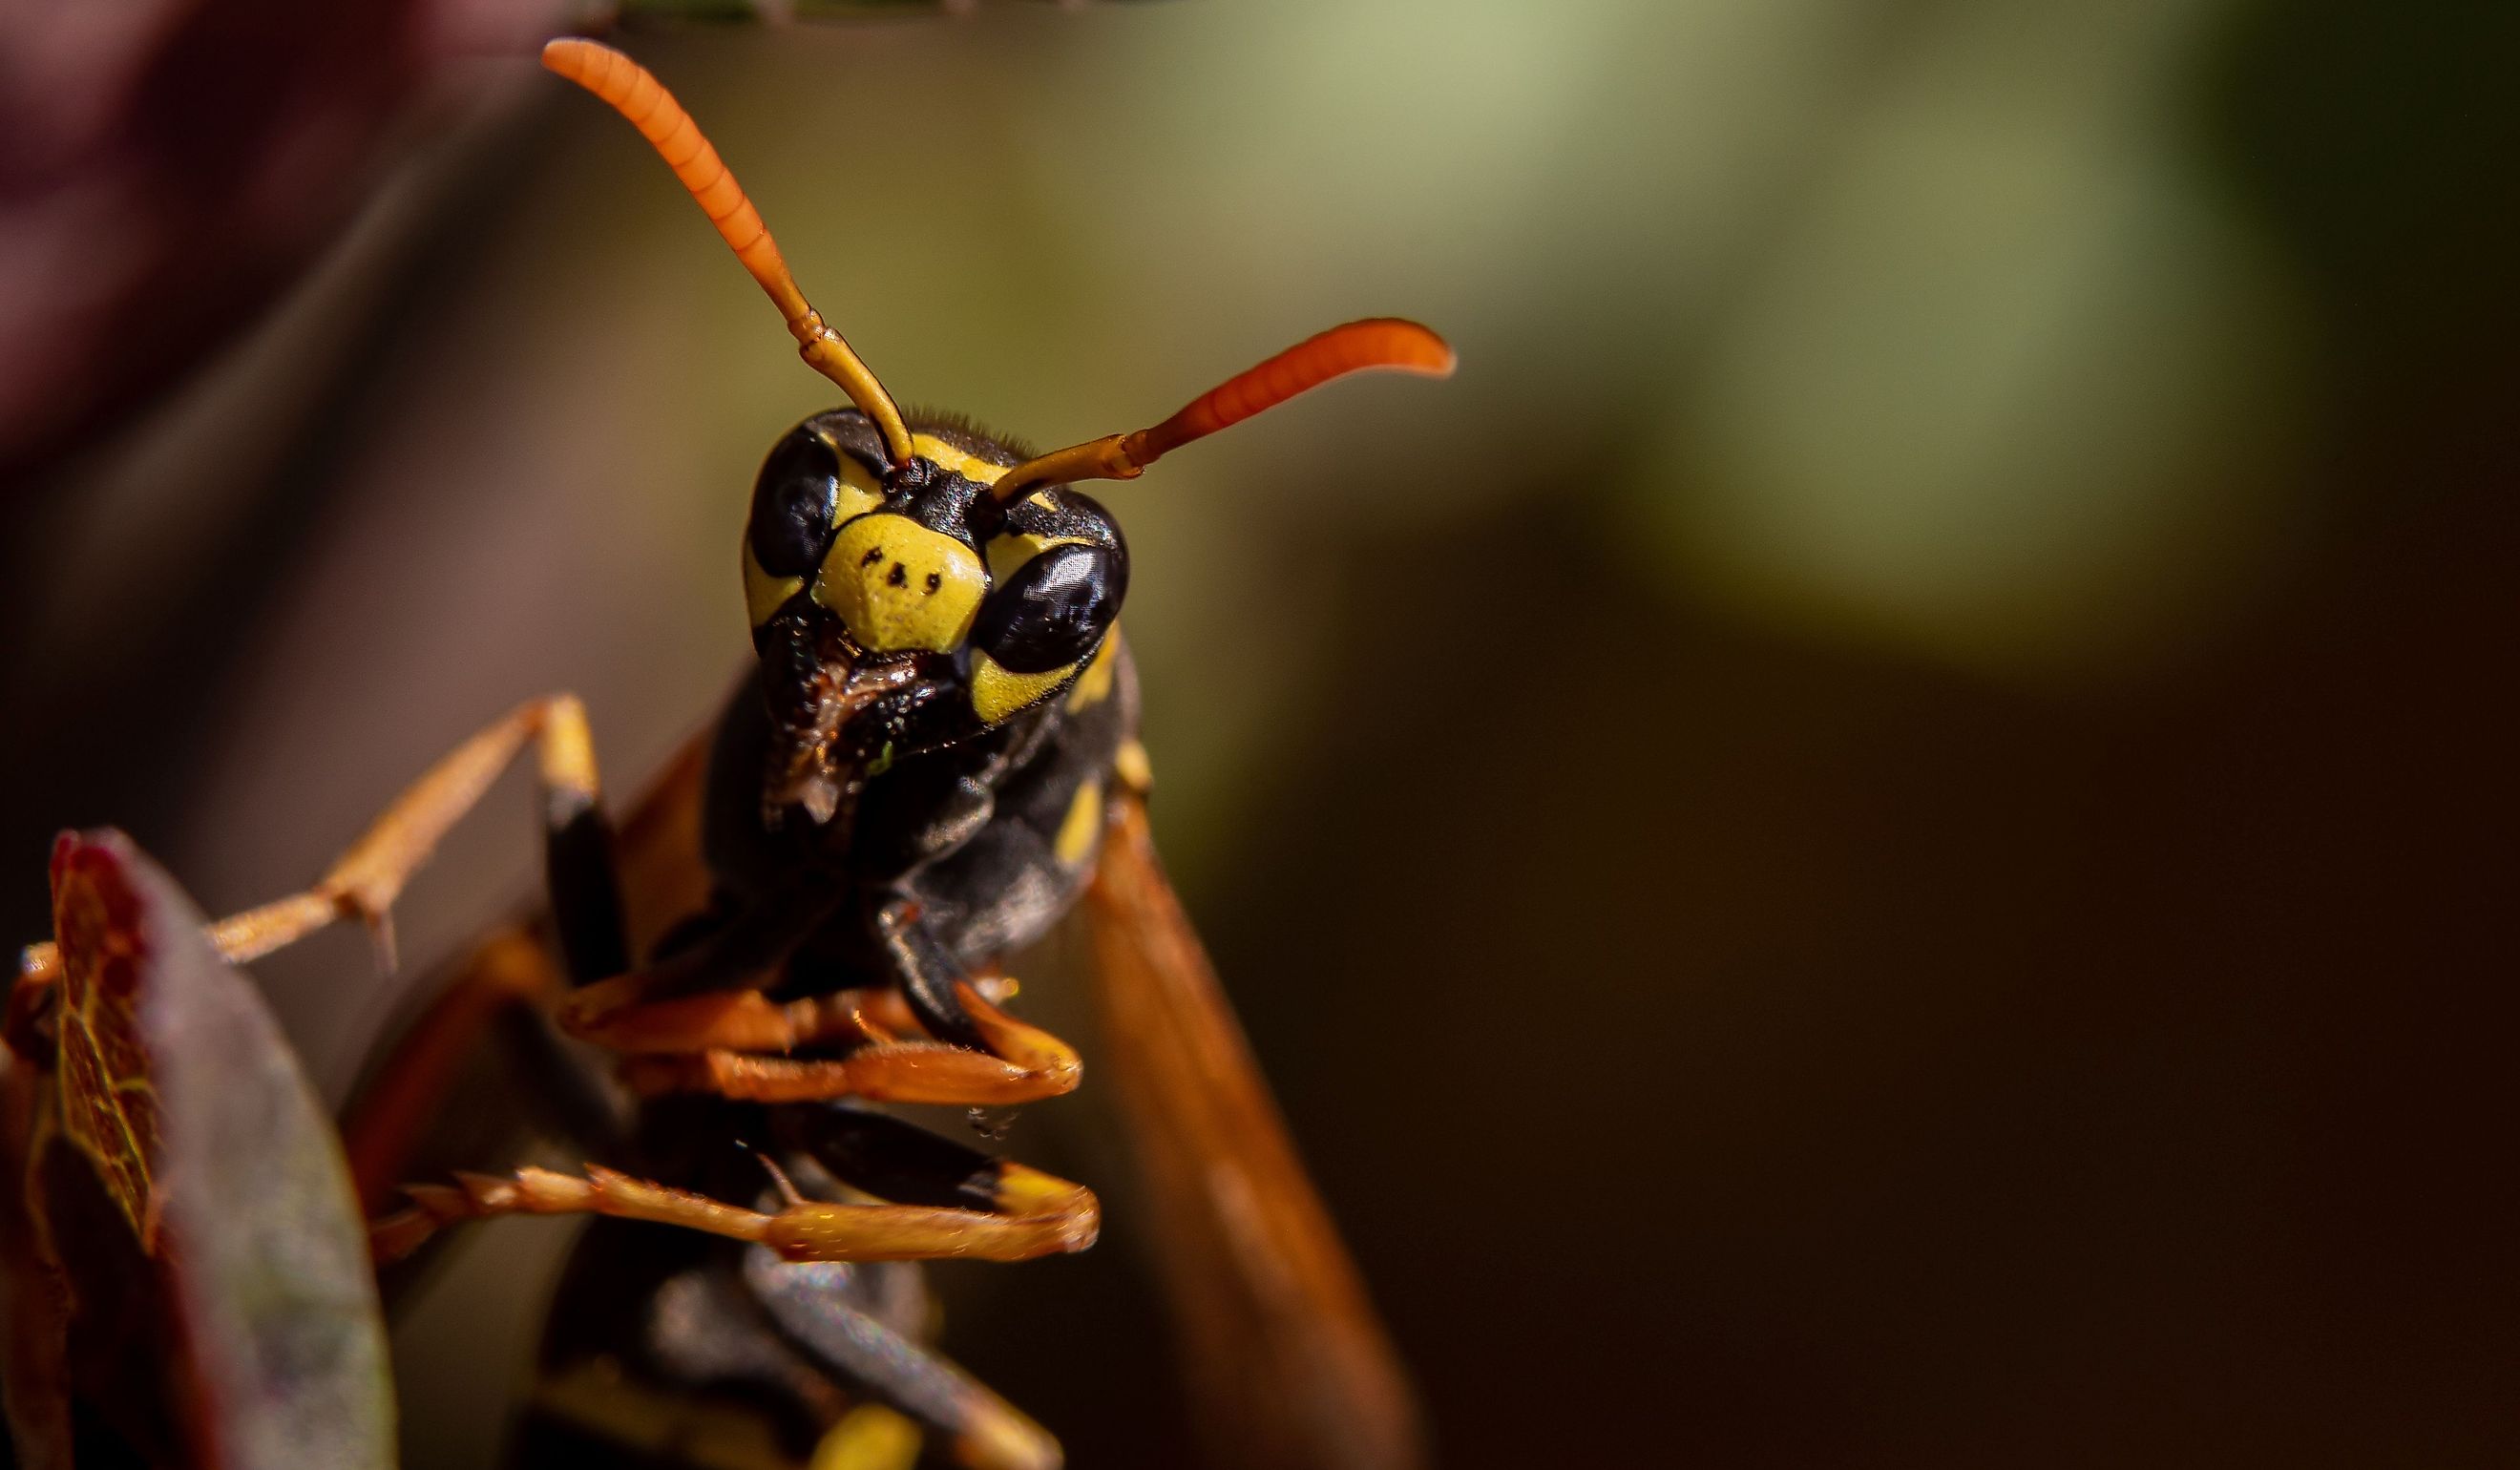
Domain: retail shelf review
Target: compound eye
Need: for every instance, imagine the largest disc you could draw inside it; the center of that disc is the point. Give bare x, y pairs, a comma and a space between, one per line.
1052, 611
794, 504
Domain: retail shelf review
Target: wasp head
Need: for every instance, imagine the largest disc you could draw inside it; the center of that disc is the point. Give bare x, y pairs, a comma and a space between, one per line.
899, 608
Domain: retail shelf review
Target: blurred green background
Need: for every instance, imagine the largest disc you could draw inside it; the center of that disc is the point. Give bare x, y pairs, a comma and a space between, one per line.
1882, 836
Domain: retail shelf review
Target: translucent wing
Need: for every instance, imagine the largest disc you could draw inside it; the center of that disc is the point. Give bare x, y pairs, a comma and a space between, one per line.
1288, 1363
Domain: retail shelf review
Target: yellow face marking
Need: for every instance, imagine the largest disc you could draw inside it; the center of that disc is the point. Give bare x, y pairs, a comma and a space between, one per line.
947, 457
1079, 827
900, 586
860, 490
996, 691
1095, 685
763, 594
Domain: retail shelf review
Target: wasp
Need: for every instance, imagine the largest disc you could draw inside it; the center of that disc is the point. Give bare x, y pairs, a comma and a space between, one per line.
931, 760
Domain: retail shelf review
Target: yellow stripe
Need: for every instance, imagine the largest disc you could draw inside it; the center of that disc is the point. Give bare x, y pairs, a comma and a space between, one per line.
860, 490
763, 594
1135, 771
1077, 829
947, 457
1096, 685
997, 691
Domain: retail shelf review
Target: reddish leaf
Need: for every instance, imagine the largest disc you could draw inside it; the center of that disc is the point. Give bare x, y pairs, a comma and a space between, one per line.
34, 1304
109, 1104
237, 1309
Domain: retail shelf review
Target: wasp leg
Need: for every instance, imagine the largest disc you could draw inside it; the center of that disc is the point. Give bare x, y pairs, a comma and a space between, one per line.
1021, 1063
913, 1389
1029, 1214
745, 1020
828, 1355
366, 880
743, 951
914, 1166
973, 1054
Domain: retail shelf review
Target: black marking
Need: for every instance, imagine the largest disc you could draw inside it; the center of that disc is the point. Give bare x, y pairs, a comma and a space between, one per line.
934, 581
1071, 515
947, 503
586, 896
913, 479
925, 972
890, 1159
899, 576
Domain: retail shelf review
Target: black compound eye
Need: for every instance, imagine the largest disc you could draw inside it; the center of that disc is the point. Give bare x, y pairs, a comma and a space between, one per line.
792, 505
1052, 611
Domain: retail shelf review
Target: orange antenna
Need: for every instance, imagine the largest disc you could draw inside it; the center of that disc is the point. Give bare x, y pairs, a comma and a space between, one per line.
1376, 342
635, 93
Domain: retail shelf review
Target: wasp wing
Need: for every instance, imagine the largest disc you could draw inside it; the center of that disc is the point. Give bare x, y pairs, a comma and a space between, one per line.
1289, 1365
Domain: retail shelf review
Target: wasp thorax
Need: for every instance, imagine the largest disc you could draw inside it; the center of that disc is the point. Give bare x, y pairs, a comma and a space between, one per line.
901, 586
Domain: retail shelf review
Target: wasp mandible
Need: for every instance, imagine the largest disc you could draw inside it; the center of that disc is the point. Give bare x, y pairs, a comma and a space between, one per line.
932, 759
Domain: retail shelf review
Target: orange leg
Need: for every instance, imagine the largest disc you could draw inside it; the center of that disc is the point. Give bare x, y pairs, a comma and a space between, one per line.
743, 1020
366, 880
611, 1014
1030, 1213
1036, 1215
699, 1043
